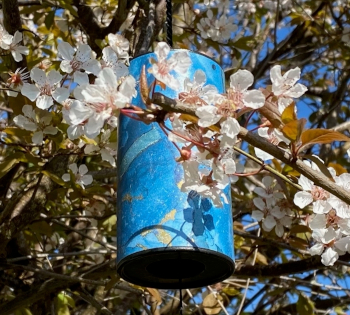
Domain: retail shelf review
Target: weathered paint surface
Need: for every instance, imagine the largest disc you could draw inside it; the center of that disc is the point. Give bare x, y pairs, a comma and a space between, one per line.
152, 211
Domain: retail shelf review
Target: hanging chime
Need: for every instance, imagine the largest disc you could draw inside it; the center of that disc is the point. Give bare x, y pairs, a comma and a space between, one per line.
167, 238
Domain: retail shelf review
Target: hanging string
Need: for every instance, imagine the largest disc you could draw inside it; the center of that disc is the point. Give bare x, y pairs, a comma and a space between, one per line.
180, 298
169, 23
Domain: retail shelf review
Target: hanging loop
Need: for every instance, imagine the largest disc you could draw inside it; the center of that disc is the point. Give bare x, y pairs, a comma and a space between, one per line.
169, 23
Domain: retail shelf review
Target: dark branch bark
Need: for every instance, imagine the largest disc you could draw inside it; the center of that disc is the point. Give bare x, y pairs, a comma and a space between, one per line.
124, 6
275, 270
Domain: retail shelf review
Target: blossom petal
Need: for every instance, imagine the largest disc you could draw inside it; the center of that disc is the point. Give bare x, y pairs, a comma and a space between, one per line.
162, 50
83, 53
302, 199
107, 156
257, 215
74, 168
38, 76
318, 222
329, 257
230, 127
279, 230
199, 77
296, 91
44, 102
28, 111
60, 94
92, 66
66, 66
259, 203
66, 50
30, 91
253, 99
241, 80
66, 177
262, 154
87, 179
306, 183
50, 130
317, 249
106, 78
269, 223
38, 137
53, 77
207, 116
81, 78
83, 169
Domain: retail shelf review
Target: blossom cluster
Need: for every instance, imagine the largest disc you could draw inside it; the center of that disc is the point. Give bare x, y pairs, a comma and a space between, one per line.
330, 221
11, 43
103, 88
219, 29
90, 107
273, 209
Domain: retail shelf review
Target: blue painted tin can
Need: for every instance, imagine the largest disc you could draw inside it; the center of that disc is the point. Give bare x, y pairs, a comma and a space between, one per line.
167, 238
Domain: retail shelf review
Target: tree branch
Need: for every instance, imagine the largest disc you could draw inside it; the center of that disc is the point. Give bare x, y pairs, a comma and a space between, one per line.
256, 141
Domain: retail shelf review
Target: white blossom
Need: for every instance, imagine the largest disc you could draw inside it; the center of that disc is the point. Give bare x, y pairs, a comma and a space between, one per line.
108, 150
162, 68
46, 88
197, 93
120, 45
239, 94
82, 59
17, 50
39, 124
285, 86
110, 60
80, 176
207, 115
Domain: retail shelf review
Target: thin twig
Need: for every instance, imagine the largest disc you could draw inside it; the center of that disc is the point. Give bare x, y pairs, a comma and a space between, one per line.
81, 233
248, 280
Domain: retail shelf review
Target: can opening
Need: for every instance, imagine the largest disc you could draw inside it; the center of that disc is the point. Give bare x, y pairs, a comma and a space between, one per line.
175, 268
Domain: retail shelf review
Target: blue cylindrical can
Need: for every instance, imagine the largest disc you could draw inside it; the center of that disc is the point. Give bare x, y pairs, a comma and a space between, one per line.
167, 238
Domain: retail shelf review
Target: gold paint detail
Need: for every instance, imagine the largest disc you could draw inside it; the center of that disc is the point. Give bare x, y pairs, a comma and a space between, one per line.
163, 236
129, 198
179, 184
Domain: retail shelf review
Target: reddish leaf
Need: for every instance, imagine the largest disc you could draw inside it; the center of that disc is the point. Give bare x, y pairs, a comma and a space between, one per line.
144, 86
293, 129
321, 136
338, 168
288, 114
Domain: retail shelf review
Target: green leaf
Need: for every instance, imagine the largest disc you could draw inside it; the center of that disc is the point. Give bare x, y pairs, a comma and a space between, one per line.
114, 279
17, 132
245, 43
66, 5
298, 242
320, 165
49, 19
231, 291
55, 178
23, 311
66, 299
110, 223
8, 163
300, 229
321, 136
304, 305
41, 227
